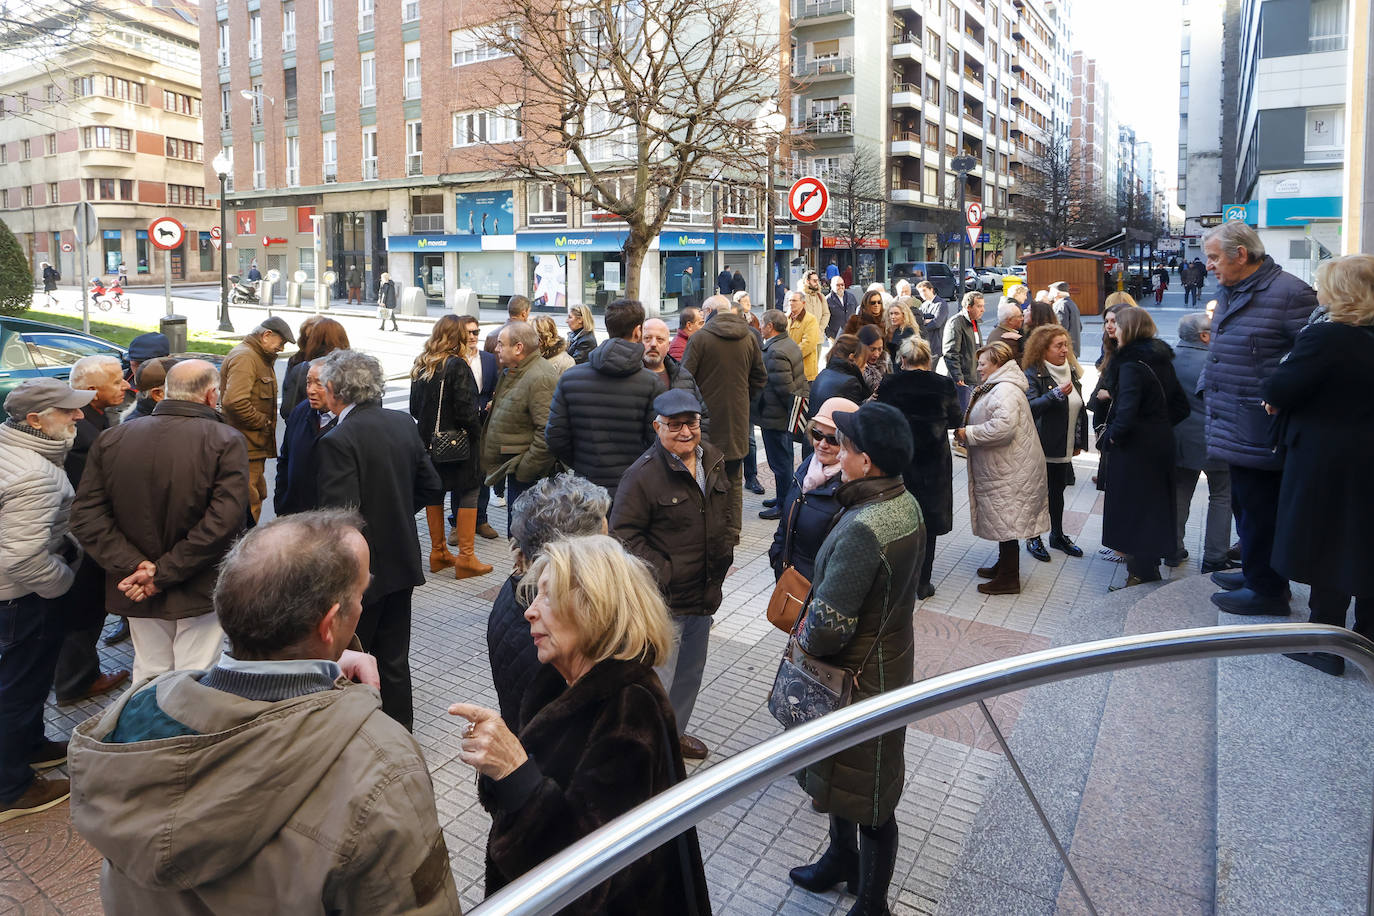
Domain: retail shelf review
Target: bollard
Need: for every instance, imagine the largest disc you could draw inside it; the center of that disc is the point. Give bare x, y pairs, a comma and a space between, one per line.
174, 327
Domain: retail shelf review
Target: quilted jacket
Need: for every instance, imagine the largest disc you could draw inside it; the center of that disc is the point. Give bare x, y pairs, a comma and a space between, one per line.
1008, 495
782, 360
1254, 327
514, 660
35, 501
513, 440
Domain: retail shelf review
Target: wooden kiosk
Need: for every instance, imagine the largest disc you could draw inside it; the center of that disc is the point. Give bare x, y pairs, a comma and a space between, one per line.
1080, 268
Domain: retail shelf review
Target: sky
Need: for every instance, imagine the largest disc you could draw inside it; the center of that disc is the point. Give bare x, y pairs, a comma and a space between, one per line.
1136, 43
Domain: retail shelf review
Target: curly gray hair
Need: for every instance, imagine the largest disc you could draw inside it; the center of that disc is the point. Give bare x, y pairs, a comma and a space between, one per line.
556, 508
353, 377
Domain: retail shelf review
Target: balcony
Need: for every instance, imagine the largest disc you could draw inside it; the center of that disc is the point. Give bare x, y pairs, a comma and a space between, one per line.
815, 12
413, 164
100, 157
822, 68
834, 124
906, 95
906, 143
427, 223
906, 192
906, 46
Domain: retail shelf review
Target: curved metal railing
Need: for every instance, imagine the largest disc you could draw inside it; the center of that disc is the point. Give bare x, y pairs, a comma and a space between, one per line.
569, 874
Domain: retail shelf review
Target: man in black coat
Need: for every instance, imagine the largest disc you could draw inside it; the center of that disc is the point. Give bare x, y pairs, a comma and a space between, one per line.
782, 361
602, 414
843, 304
373, 461
298, 468
725, 281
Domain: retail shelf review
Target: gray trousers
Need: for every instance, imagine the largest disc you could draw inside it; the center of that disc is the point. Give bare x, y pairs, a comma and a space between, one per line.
681, 676
1218, 537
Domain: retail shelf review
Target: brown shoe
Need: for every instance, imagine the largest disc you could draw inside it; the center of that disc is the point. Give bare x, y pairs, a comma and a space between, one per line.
465, 562
103, 684
488, 532
692, 748
43, 793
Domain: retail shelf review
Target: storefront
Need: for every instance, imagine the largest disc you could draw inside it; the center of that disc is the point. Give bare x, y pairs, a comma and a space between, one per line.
742, 251
573, 267
434, 259
867, 257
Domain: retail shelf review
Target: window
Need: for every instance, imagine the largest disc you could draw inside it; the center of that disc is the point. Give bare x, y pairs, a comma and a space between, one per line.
1326, 25
367, 80
933, 43
180, 103
127, 90
190, 195
53, 194
4, 153
548, 205
330, 157
497, 126
106, 138
288, 26
472, 46
412, 65
369, 153
1325, 135
305, 261
259, 166
257, 103
83, 86
932, 89
184, 149
28, 195
288, 79
414, 148
595, 38
293, 162
26, 149
327, 87
326, 20
226, 105
410, 10
50, 93
952, 100
366, 10
255, 35
224, 44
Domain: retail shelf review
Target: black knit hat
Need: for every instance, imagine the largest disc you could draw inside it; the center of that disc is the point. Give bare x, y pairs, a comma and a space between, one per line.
881, 432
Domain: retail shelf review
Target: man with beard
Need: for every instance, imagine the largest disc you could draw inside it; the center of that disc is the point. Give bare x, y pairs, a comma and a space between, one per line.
656, 340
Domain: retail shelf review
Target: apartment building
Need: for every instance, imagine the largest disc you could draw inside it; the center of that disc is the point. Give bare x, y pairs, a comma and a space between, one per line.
1094, 131
1203, 156
111, 117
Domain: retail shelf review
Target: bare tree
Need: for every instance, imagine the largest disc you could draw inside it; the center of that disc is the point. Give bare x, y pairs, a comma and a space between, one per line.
40, 29
624, 105
1052, 194
857, 198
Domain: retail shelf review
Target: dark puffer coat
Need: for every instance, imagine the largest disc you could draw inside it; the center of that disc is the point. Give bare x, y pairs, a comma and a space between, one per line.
1052, 414
859, 617
839, 379
727, 362
1255, 325
581, 344
1139, 514
514, 660
459, 411
930, 403
815, 512
602, 414
597, 748
782, 361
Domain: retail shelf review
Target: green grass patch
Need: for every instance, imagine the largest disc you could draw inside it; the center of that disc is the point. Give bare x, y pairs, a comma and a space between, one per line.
121, 333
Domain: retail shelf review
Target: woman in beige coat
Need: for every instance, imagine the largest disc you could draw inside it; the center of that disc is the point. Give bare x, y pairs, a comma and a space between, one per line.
1008, 498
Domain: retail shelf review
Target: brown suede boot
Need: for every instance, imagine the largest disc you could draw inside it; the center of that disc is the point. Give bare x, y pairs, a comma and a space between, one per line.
1007, 581
466, 563
439, 557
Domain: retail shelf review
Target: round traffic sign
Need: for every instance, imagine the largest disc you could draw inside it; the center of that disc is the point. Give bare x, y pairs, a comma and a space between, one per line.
214, 232
808, 199
67, 246
273, 275
166, 233
974, 212
300, 276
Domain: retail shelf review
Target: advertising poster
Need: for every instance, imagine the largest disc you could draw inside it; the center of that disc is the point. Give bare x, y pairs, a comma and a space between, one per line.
485, 212
550, 282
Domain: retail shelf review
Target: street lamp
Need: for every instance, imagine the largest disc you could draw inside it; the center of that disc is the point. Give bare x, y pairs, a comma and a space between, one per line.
769, 123
222, 164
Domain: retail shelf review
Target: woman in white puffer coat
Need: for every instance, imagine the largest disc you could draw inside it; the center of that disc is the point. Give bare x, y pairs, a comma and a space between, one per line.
1008, 497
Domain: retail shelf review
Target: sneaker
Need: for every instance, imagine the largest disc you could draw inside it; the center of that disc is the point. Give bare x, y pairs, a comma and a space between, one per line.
43, 793
49, 754
1111, 556
120, 634
1222, 565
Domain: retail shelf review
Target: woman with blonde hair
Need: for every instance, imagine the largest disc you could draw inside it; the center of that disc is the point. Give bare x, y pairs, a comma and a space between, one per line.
1056, 402
581, 333
596, 735
901, 324
443, 399
551, 346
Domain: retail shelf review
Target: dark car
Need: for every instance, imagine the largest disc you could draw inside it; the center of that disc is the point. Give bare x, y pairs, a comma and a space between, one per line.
940, 275
32, 349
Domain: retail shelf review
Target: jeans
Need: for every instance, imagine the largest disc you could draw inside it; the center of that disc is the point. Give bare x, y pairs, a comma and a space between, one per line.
681, 676
965, 392
1218, 537
1255, 502
30, 638
777, 448
1191, 294
483, 500
384, 631
513, 490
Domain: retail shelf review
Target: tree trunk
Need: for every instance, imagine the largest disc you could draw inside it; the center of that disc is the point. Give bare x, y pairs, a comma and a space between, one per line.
636, 248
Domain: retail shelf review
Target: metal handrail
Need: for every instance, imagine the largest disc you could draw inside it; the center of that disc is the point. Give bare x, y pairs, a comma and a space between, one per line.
591, 860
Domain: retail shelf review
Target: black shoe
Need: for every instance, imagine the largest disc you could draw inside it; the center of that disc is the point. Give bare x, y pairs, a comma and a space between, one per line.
924, 590
770, 502
1249, 603
834, 866
753, 486
1062, 542
1228, 581
1036, 548
120, 634
49, 754
1234, 552
1224, 565
1132, 581
1175, 560
771, 512
1324, 662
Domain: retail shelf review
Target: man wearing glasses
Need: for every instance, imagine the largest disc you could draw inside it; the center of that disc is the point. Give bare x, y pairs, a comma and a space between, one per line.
672, 510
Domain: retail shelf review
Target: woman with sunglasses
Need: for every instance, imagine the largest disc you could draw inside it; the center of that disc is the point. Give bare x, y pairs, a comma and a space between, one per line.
810, 505
843, 375
872, 311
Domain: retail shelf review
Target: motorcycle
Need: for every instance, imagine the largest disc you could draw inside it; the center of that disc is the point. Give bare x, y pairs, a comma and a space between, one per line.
241, 291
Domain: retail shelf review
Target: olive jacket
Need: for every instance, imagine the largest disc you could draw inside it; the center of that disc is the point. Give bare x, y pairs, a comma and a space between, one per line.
248, 396
513, 442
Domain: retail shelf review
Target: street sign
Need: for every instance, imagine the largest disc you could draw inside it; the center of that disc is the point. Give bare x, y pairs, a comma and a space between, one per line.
975, 214
215, 233
67, 246
974, 233
85, 226
1237, 212
808, 199
964, 163
216, 242
166, 233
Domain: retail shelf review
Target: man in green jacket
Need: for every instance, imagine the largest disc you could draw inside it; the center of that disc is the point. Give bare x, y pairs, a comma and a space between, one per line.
513, 446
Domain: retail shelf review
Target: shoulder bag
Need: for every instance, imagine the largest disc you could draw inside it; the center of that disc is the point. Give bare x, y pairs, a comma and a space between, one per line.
447, 446
797, 421
789, 595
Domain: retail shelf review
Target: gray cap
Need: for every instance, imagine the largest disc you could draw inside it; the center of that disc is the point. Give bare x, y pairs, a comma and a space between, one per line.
675, 402
279, 327
38, 394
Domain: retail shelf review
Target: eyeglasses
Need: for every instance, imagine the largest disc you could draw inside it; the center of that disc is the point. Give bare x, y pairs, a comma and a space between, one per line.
474, 332
676, 426
819, 436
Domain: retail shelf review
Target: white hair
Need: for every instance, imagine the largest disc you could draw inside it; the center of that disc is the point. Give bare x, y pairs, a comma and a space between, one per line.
90, 371
1043, 296
903, 288
1007, 309
1235, 235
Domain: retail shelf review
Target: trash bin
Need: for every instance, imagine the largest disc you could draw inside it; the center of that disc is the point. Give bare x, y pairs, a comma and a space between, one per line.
269, 292
293, 294
174, 328
465, 302
413, 302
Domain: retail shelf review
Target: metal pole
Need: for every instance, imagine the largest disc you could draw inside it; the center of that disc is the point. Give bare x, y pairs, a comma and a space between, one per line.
167, 279
225, 325
963, 238
768, 255
85, 293
315, 220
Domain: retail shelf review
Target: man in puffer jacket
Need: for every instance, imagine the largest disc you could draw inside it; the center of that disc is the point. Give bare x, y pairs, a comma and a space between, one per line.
38, 561
602, 416
1260, 310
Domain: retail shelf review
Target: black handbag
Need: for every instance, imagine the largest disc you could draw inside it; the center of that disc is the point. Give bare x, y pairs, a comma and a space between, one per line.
448, 446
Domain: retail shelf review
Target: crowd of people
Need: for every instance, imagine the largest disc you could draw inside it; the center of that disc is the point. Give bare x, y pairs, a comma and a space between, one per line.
622, 465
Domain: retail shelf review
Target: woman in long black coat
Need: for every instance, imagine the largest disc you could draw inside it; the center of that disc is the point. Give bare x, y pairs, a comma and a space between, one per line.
930, 403
443, 396
1139, 516
843, 375
1321, 394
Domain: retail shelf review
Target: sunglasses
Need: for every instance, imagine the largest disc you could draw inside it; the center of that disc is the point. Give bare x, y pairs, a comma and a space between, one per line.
819, 436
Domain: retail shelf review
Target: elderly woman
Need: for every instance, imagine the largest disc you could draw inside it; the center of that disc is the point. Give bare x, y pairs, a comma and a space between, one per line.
552, 346
930, 403
319, 336
901, 324
553, 509
810, 506
581, 333
858, 616
1326, 417
596, 734
1138, 518
1008, 500
872, 311
843, 375
1056, 402
877, 364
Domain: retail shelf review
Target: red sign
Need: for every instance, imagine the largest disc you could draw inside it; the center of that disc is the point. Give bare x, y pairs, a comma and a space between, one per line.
214, 232
303, 223
270, 240
166, 233
1110, 262
66, 246
808, 199
246, 222
839, 241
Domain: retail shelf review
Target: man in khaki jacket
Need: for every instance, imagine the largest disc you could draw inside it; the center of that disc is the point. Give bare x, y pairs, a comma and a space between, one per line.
513, 446
270, 782
248, 398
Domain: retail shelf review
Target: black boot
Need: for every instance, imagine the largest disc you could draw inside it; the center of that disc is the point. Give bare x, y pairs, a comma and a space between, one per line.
877, 859
839, 862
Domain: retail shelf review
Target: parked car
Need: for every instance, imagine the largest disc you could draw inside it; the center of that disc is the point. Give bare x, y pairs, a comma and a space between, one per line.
33, 349
940, 274
991, 279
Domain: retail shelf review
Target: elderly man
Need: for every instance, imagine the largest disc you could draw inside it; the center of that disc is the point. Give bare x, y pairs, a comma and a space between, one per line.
602, 414
337, 811
83, 607
673, 513
689, 321
1008, 330
248, 398
373, 461
727, 362
38, 561
805, 333
1260, 310
962, 341
513, 448
842, 303
1066, 310
782, 363
298, 468
1190, 451
150, 381
160, 503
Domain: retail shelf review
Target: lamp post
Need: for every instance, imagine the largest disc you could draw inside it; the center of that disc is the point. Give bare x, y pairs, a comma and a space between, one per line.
769, 124
963, 165
222, 164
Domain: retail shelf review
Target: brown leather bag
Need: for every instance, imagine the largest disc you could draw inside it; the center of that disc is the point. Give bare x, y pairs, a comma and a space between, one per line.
790, 594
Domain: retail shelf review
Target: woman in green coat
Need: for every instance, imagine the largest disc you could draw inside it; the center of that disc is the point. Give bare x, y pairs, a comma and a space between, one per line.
859, 617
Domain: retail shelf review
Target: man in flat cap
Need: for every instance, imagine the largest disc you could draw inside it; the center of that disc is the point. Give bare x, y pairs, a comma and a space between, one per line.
38, 562
142, 348
248, 398
672, 510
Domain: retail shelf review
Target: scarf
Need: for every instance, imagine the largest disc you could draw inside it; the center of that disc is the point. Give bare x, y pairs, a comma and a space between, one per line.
818, 474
